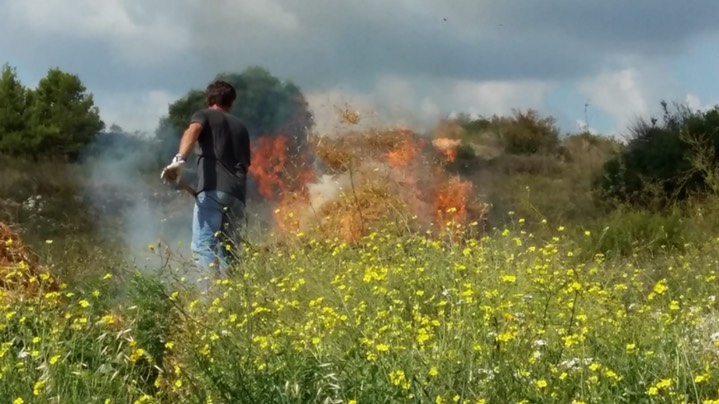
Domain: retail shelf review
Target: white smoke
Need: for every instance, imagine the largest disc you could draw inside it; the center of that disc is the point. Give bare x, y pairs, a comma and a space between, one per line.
327, 188
152, 218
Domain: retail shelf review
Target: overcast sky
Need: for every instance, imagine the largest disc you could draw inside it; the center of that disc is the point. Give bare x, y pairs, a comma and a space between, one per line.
406, 61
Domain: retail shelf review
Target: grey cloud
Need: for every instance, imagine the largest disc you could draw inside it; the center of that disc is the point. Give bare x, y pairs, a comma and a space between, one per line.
325, 42
479, 40
342, 45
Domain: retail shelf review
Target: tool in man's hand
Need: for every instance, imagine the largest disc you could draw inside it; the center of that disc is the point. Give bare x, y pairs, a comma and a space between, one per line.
187, 187
173, 173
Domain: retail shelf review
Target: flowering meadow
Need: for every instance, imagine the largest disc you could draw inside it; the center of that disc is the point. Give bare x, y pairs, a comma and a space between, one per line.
512, 315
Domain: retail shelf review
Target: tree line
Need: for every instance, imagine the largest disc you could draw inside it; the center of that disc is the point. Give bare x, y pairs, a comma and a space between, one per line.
57, 118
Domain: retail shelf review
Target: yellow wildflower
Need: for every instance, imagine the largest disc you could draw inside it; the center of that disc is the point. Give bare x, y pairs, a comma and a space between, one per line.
38, 387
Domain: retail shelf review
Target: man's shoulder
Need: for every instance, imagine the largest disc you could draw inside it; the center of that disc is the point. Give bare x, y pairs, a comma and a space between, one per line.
209, 115
207, 111
200, 115
218, 113
235, 120
217, 116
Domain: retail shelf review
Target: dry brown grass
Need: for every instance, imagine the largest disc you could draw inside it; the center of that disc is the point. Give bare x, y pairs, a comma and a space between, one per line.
354, 213
395, 178
12, 249
20, 271
339, 153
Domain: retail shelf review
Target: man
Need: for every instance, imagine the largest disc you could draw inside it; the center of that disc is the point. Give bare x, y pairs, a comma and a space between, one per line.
223, 158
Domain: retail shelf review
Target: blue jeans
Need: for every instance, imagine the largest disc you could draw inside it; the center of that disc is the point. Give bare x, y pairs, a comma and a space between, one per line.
216, 224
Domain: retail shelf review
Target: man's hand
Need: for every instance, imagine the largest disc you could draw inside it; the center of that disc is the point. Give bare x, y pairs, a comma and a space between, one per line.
173, 171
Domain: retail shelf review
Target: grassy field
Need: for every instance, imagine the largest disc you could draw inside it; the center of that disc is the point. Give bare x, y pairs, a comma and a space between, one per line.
513, 316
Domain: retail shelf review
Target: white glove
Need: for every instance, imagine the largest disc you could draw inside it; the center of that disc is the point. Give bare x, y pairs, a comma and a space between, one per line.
173, 171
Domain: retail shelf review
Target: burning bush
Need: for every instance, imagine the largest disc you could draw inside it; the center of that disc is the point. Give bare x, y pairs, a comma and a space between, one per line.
360, 180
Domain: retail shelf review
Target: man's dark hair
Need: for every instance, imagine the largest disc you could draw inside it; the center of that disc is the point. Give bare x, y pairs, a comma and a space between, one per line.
221, 93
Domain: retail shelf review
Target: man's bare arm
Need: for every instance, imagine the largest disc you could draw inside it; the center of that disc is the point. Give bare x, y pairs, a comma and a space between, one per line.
189, 138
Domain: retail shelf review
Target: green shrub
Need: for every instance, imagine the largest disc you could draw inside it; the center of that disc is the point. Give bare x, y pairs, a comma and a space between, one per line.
664, 163
522, 133
588, 149
528, 133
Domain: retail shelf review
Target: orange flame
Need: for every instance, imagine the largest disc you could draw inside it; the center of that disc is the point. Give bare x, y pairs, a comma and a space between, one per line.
447, 139
406, 153
282, 178
448, 147
269, 159
451, 201
408, 184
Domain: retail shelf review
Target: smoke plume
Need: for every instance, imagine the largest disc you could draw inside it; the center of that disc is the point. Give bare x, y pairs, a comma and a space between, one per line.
126, 194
